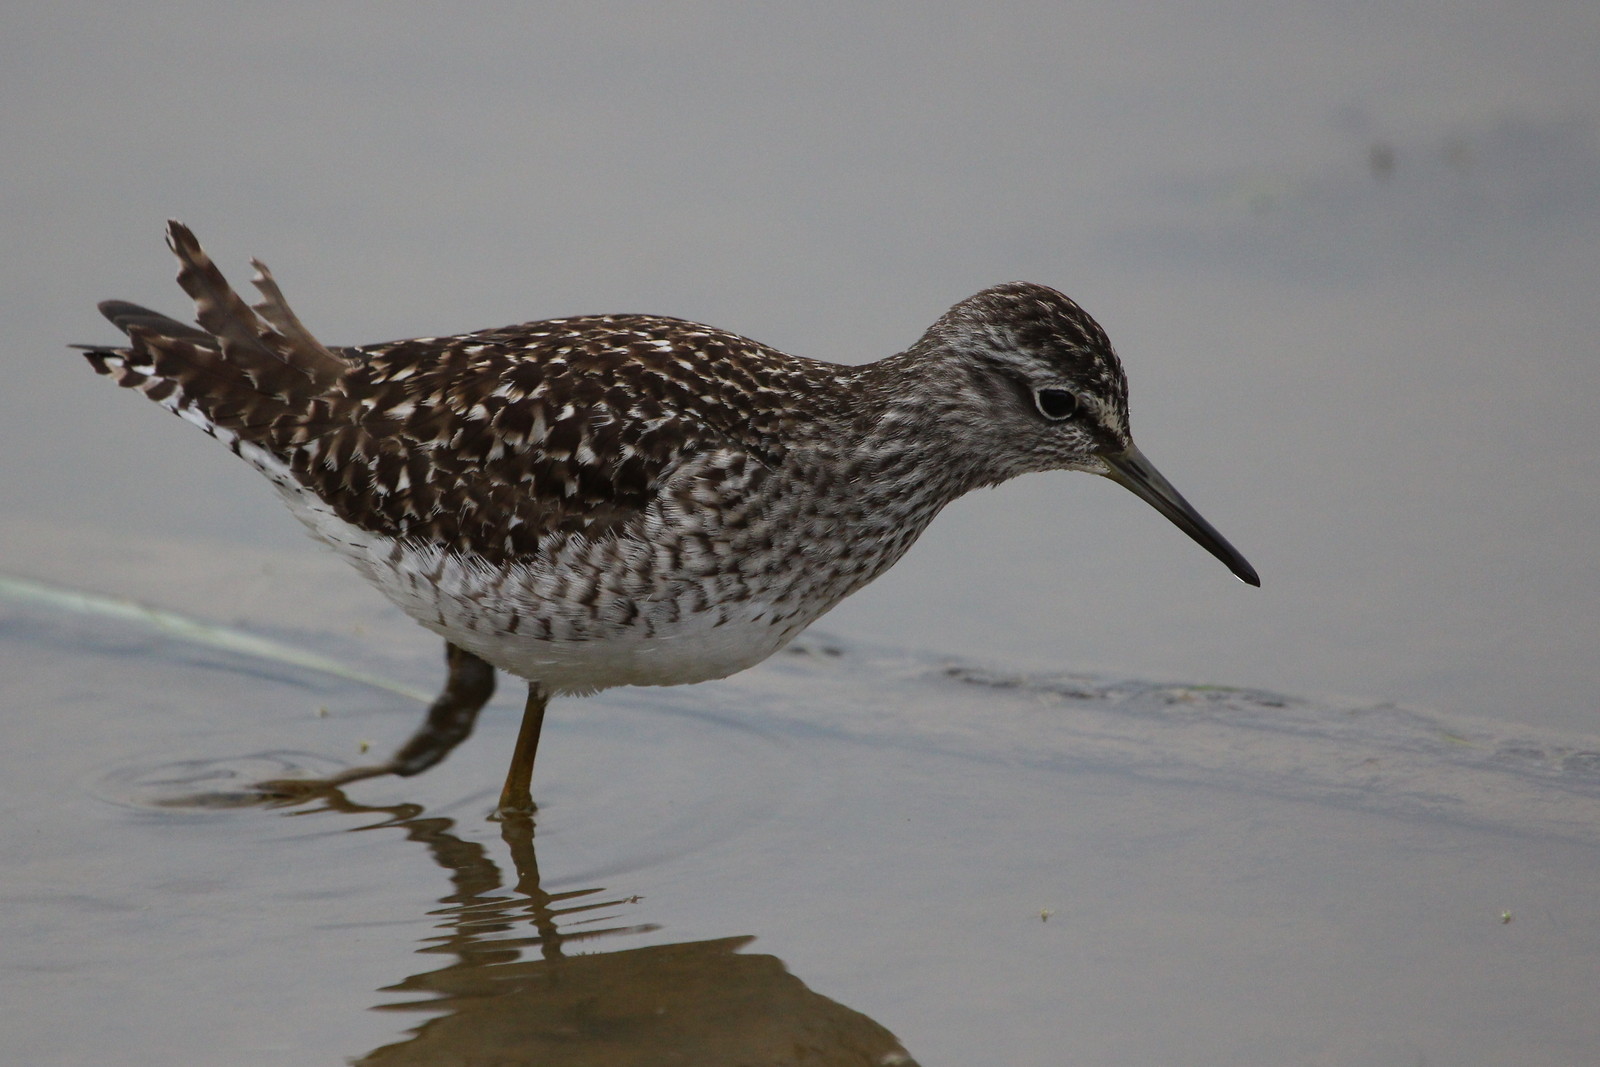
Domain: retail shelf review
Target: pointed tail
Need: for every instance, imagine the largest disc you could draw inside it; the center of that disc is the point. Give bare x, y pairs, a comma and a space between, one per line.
243, 372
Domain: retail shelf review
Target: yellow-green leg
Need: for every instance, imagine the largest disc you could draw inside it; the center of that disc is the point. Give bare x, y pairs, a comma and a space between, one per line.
516, 796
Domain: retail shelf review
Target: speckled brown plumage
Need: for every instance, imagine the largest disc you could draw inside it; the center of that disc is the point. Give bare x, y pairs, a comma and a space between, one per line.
485, 442
632, 499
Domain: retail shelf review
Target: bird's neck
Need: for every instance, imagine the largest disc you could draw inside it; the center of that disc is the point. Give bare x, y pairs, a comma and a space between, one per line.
922, 417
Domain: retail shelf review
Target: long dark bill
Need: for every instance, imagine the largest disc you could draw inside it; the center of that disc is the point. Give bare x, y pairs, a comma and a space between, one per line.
1131, 470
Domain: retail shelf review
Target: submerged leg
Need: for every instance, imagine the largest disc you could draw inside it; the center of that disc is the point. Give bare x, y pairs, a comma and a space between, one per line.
516, 797
449, 722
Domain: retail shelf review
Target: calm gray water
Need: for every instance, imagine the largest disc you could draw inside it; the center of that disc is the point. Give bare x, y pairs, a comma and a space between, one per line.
854, 850
1347, 253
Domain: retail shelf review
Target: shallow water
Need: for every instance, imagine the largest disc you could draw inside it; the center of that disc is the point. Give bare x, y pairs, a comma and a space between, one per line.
851, 850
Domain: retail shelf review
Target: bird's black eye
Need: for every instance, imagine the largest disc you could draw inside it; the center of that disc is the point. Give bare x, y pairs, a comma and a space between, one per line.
1056, 404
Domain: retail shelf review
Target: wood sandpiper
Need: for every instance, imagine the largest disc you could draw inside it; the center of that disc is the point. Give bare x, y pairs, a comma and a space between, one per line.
628, 499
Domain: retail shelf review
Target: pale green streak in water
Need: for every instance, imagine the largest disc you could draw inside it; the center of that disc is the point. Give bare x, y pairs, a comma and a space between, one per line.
210, 635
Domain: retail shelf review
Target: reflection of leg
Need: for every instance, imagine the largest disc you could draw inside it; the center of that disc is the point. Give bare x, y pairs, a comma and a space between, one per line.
449, 722
516, 829
516, 797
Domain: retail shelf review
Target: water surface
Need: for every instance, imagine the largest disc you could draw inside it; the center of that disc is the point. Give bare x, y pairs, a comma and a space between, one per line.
865, 852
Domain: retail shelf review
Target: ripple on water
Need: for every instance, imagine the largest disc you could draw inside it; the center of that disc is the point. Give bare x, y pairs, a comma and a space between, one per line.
1380, 757
658, 773
632, 778
221, 784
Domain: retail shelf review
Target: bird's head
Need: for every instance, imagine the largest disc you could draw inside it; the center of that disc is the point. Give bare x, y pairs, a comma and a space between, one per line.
1042, 389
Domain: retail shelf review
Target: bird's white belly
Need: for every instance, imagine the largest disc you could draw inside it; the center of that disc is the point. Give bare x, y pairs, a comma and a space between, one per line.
569, 622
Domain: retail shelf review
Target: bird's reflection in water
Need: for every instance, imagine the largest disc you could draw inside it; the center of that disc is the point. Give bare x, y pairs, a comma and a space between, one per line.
700, 1002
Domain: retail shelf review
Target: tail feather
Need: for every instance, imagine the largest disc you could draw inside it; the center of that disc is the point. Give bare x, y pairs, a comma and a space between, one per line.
191, 378
167, 354
276, 310
246, 376
125, 316
245, 336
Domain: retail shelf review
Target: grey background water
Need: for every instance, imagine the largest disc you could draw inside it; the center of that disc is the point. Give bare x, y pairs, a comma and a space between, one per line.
1347, 251
983, 865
